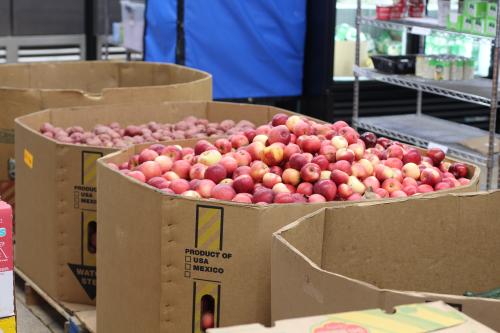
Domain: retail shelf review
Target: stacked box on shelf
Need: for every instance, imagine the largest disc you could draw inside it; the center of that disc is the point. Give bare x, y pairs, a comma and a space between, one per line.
188, 255
382, 255
56, 236
27, 88
7, 308
477, 17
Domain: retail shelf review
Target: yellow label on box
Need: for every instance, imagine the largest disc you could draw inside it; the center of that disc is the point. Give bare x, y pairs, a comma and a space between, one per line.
8, 325
28, 158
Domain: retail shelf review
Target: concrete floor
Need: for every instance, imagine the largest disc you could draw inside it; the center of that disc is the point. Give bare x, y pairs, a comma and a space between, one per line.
36, 318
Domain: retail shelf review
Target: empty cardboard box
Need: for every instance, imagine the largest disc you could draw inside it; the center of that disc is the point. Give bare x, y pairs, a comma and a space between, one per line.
381, 255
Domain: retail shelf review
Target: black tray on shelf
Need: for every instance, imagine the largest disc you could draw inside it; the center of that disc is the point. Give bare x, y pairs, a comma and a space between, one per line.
395, 64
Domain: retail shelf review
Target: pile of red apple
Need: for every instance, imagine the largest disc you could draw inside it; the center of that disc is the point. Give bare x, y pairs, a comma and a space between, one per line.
292, 160
113, 135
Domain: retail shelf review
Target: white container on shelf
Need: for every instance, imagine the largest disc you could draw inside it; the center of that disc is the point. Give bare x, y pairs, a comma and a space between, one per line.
133, 24
443, 11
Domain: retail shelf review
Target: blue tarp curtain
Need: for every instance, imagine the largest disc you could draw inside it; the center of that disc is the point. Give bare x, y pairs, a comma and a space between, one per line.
252, 48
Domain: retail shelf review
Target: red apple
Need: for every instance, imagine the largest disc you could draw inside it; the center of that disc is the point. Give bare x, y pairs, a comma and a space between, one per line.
436, 155
223, 192
147, 155
391, 185
270, 179
204, 187
310, 172
250, 134
343, 166
336, 126
289, 150
223, 146
238, 140
326, 188
442, 186
315, 198
257, 170
255, 150
349, 134
191, 194
263, 129
279, 119
242, 157
393, 162
430, 176
216, 173
284, 198
242, 170
138, 176
181, 168
355, 197
424, 188
229, 163
174, 152
150, 169
297, 161
329, 152
291, 122
382, 193
399, 194
310, 144
197, 171
199, 147
395, 151
261, 138
243, 184
383, 172
410, 189
243, 198
263, 195
187, 151
409, 181
321, 161
305, 188
165, 163
412, 155
345, 191
281, 188
339, 177
280, 133
369, 139
301, 128
291, 176
371, 183
325, 174
359, 171
179, 186
345, 154
459, 170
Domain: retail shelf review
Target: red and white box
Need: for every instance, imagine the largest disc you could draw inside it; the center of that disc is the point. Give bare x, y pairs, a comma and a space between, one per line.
6, 262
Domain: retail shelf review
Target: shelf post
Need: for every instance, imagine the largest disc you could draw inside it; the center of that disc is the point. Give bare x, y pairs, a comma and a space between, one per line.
421, 49
355, 104
493, 109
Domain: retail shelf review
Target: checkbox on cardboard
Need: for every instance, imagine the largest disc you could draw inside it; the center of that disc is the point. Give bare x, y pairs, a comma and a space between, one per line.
188, 259
187, 267
187, 274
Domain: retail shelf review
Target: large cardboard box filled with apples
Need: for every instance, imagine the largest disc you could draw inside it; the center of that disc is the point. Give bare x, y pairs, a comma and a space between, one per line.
440, 247
181, 250
7, 307
56, 187
27, 88
428, 317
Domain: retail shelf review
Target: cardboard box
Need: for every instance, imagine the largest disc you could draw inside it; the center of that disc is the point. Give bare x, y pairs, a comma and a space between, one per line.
429, 317
475, 8
163, 258
7, 307
27, 88
54, 235
380, 255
